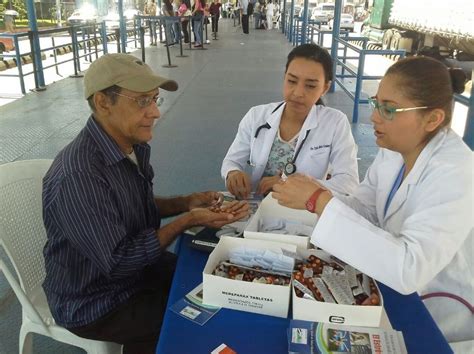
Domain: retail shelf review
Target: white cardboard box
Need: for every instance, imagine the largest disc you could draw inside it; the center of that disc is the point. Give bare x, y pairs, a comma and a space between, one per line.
270, 208
264, 299
353, 315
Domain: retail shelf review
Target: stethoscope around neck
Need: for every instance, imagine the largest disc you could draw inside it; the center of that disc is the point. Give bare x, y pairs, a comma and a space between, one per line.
290, 166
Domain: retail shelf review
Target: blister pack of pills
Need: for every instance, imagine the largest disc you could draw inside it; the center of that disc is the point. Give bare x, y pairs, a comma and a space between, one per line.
330, 280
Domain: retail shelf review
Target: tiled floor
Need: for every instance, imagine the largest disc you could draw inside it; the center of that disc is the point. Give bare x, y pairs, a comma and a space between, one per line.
217, 87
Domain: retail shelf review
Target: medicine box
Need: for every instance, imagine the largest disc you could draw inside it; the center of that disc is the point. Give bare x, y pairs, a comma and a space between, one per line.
267, 299
353, 315
269, 208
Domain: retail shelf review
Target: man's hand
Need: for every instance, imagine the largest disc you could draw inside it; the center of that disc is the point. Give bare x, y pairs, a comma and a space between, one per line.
219, 216
295, 191
239, 184
266, 184
204, 200
235, 207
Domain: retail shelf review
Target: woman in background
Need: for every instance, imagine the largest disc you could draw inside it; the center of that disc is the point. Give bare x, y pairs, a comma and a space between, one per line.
198, 14
215, 10
269, 14
167, 10
185, 10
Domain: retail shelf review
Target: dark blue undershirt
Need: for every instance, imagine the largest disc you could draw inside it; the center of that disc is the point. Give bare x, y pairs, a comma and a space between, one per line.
396, 185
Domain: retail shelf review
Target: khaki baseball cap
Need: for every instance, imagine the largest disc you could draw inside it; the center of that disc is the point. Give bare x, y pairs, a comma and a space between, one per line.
125, 71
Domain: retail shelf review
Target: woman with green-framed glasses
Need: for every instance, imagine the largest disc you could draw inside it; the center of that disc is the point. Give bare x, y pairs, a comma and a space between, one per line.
409, 224
387, 111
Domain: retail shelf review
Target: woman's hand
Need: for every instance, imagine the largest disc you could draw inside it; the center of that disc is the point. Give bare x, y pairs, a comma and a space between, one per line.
204, 199
296, 190
219, 216
266, 184
239, 184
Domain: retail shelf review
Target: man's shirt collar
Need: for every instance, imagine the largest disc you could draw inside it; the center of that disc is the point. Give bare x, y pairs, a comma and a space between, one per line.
107, 145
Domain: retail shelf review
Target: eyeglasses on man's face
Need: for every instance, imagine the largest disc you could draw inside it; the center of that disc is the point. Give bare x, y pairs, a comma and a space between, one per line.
388, 112
144, 101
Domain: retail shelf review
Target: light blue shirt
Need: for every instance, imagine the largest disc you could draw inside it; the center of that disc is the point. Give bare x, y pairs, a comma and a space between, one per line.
244, 4
280, 154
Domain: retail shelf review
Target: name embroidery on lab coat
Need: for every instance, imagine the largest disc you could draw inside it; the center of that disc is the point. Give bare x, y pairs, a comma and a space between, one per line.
312, 148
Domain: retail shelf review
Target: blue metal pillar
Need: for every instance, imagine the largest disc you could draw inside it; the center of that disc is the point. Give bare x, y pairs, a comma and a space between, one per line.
103, 34
305, 22
335, 44
123, 28
19, 65
469, 128
283, 17
292, 12
358, 89
30, 8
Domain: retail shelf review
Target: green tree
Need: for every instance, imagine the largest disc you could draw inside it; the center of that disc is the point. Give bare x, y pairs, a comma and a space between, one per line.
20, 7
52, 13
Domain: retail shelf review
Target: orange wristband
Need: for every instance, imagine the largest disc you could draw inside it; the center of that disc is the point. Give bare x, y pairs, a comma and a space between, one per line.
311, 202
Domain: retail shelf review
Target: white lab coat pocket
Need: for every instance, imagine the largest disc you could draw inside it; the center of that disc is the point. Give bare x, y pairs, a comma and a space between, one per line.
319, 154
314, 164
320, 158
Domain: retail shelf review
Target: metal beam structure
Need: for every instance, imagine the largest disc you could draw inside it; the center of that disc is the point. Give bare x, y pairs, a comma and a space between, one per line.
283, 17
123, 27
335, 35
30, 9
292, 13
305, 23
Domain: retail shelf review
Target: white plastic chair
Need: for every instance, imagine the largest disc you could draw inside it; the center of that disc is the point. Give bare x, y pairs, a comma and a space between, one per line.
23, 236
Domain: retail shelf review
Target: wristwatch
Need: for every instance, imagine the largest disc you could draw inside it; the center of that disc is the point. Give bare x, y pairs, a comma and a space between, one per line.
311, 202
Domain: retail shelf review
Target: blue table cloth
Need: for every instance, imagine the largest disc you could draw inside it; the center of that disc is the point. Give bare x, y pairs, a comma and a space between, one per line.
249, 333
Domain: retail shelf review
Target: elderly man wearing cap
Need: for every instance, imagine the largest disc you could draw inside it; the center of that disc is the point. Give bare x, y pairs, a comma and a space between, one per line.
107, 271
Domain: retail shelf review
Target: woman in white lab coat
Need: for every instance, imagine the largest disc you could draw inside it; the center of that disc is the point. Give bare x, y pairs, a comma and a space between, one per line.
409, 223
298, 134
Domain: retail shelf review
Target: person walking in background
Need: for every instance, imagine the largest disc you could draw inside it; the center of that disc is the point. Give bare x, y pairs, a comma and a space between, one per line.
198, 15
269, 14
245, 16
263, 16
236, 12
185, 10
215, 10
150, 10
9, 21
256, 14
227, 9
176, 23
167, 10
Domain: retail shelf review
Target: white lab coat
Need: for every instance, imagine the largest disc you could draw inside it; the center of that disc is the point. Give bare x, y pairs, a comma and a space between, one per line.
329, 143
424, 243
